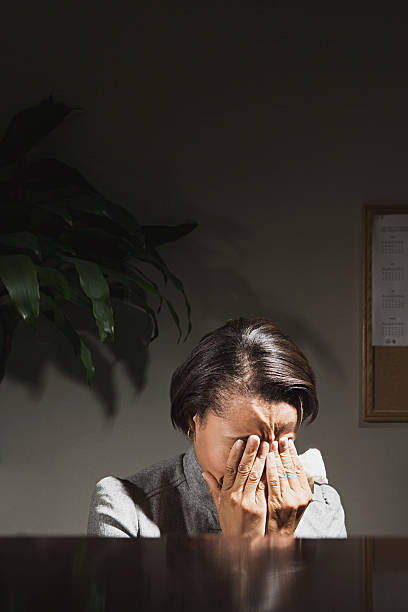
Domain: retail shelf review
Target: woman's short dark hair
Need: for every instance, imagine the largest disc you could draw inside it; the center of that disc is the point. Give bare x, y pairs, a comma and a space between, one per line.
250, 357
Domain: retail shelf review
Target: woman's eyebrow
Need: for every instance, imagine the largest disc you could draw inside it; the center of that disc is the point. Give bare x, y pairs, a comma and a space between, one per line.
285, 427
279, 429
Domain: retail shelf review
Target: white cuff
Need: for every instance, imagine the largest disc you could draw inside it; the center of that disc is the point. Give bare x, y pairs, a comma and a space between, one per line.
312, 461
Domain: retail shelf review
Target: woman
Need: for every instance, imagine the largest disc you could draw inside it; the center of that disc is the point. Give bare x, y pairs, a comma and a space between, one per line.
240, 396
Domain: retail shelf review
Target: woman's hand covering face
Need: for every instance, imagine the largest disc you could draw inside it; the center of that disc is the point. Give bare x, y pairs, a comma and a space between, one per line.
262, 492
289, 492
241, 500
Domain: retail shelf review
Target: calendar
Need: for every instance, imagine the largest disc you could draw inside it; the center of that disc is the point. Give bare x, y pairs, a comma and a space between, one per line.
390, 280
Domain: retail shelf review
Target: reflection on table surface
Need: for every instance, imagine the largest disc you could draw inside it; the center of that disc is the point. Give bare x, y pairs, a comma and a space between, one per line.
206, 572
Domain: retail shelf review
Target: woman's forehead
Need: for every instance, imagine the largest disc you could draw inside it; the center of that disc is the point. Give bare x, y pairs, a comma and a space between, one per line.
255, 412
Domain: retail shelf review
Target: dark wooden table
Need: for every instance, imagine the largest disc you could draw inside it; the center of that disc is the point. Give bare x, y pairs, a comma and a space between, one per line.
209, 572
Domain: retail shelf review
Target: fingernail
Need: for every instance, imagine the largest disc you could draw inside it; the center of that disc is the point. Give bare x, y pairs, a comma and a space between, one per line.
275, 445
252, 443
284, 443
203, 477
291, 443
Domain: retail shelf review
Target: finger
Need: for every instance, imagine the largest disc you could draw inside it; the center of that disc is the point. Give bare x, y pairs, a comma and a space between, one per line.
214, 487
283, 480
263, 485
300, 470
287, 462
254, 477
272, 477
232, 464
245, 465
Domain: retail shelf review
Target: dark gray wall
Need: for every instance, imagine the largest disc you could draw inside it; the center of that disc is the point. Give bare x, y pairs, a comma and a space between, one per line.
271, 129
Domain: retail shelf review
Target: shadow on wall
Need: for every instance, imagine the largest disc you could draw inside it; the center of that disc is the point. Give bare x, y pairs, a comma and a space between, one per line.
34, 349
217, 252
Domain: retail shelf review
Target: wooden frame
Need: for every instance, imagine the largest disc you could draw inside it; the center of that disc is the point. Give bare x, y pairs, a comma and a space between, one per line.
384, 369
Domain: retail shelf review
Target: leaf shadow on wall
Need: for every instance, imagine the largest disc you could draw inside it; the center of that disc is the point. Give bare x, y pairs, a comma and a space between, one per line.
35, 348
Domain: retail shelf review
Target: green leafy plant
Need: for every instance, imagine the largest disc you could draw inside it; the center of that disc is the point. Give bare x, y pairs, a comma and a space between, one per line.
63, 243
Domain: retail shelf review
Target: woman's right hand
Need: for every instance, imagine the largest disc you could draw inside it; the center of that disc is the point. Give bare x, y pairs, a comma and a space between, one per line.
241, 501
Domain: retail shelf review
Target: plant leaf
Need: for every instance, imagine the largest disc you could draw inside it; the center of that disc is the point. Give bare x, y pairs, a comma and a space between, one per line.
152, 256
30, 126
95, 204
136, 302
96, 288
137, 276
8, 192
143, 275
95, 244
175, 317
50, 179
24, 241
133, 297
50, 309
57, 209
77, 296
9, 319
19, 276
54, 279
157, 235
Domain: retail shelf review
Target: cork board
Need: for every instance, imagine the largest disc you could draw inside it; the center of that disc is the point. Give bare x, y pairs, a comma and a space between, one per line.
385, 368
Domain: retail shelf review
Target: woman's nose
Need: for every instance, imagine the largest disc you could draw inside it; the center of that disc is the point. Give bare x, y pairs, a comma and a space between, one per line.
270, 439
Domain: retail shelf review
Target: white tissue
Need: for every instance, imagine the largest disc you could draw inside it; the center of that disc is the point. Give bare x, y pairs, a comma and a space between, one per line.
312, 461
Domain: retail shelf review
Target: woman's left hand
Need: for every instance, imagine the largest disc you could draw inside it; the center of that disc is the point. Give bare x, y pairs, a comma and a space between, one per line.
289, 492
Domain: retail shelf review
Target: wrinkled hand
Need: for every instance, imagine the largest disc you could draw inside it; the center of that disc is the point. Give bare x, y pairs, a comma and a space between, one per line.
241, 501
289, 492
